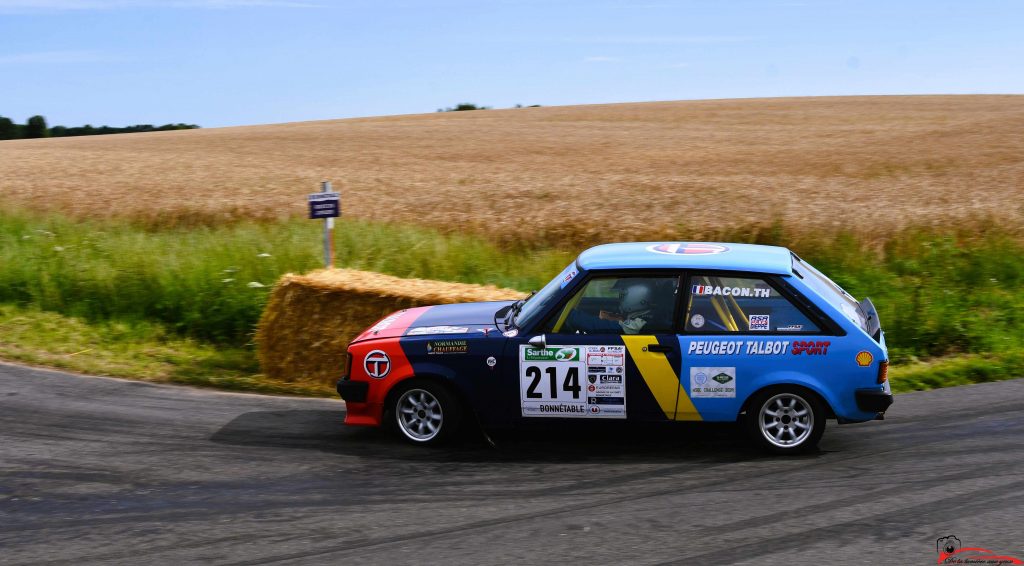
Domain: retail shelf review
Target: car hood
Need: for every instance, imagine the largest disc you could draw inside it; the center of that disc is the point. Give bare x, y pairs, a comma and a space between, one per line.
461, 318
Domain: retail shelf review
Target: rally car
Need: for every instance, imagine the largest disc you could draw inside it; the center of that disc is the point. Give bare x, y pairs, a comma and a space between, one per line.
651, 331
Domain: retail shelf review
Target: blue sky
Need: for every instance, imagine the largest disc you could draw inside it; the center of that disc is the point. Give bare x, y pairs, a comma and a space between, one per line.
235, 62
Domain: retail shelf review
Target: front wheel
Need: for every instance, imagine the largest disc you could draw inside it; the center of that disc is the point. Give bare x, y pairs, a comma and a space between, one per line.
425, 412
785, 421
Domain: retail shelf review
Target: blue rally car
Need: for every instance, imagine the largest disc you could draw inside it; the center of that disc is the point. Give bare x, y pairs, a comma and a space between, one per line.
671, 331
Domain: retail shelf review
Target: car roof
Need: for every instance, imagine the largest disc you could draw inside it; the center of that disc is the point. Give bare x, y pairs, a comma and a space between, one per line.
689, 255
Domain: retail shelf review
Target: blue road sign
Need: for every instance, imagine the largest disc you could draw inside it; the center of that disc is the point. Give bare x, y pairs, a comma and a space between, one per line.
324, 205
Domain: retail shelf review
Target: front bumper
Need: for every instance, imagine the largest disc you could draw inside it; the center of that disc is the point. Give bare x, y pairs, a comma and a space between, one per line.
873, 400
353, 391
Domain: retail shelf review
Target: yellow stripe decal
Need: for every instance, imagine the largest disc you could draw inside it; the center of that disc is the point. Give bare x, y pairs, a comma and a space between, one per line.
685, 411
661, 379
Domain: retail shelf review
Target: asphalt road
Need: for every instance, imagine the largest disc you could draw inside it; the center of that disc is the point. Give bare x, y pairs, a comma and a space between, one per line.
96, 470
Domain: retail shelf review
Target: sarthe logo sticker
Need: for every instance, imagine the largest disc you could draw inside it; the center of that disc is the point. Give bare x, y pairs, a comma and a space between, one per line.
951, 551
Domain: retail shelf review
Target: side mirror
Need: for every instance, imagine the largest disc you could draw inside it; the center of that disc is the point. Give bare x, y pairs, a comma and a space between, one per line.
539, 342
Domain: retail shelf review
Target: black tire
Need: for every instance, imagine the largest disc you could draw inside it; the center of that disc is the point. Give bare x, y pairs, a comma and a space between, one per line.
785, 420
425, 413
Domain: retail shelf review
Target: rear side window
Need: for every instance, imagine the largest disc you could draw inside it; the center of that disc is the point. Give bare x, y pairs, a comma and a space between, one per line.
744, 305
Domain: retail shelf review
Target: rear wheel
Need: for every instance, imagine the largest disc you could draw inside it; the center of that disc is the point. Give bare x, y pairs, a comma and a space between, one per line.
426, 413
785, 420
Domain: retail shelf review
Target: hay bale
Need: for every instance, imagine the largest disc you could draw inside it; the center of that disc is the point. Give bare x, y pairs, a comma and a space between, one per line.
310, 319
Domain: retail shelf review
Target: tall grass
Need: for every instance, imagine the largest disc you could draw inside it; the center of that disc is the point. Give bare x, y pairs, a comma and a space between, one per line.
938, 293
212, 283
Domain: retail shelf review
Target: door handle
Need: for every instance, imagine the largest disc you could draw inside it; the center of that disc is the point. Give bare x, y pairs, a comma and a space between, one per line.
659, 348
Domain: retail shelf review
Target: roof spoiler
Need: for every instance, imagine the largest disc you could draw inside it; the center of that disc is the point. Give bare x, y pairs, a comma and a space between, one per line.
871, 322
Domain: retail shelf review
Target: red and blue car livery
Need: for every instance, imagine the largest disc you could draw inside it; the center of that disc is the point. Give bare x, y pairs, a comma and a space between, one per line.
645, 331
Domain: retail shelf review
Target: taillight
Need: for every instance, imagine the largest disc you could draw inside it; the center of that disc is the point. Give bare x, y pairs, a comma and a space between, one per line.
883, 371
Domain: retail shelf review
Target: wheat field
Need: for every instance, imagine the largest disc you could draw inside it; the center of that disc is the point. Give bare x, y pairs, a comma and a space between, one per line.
689, 169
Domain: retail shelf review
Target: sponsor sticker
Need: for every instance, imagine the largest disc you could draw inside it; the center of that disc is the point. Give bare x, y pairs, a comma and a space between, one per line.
386, 321
711, 290
605, 359
605, 400
551, 354
447, 346
760, 322
491, 361
572, 381
425, 330
790, 328
377, 364
697, 321
812, 347
511, 333
864, 358
738, 347
687, 248
713, 382
568, 277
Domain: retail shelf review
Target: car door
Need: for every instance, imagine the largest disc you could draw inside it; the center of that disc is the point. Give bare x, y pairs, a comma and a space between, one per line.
604, 358
738, 333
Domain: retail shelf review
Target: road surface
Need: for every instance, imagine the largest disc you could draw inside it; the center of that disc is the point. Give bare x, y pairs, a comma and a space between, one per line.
96, 470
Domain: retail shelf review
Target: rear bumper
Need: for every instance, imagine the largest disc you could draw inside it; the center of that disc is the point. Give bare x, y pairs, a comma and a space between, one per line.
873, 400
353, 391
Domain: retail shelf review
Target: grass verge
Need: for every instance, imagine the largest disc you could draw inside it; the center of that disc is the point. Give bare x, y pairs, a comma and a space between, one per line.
960, 370
141, 350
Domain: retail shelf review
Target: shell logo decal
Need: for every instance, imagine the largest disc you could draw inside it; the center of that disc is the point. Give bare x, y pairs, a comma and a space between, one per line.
864, 359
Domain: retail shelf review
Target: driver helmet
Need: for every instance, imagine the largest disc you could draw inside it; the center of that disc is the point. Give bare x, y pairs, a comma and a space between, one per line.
635, 299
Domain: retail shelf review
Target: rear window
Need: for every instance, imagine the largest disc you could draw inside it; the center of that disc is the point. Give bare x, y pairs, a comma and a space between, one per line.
830, 291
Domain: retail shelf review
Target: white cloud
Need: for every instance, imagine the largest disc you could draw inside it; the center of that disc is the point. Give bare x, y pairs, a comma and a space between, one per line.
58, 58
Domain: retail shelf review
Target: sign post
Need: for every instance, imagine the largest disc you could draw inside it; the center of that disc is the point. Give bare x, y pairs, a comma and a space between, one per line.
327, 205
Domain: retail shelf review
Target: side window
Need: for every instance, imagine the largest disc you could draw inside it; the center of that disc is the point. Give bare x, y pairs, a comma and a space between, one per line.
741, 304
619, 305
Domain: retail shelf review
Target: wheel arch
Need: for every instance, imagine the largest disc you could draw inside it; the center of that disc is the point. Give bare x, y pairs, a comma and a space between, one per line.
789, 384
448, 382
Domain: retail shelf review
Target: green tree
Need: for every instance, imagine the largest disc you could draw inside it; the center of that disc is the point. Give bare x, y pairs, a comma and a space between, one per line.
463, 106
36, 127
8, 129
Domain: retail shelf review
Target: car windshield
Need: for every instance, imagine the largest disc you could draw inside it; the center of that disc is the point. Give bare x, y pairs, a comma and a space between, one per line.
830, 291
537, 303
